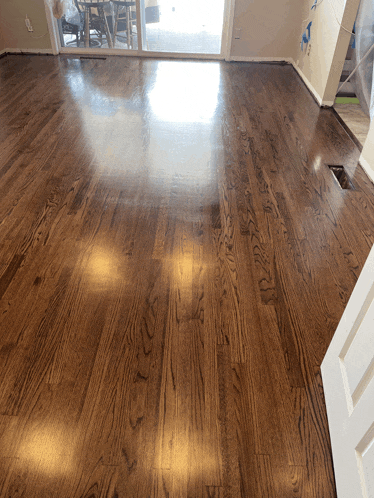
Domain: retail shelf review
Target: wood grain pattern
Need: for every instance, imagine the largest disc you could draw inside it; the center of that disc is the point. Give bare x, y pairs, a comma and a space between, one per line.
172, 270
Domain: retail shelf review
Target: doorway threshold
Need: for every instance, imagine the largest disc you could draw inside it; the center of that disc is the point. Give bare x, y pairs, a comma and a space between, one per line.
138, 53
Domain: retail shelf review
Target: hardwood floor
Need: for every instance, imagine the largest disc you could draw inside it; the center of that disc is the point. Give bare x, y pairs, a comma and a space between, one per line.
356, 120
175, 255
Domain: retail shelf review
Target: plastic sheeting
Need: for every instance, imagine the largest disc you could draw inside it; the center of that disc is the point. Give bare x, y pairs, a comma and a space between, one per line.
72, 14
67, 8
58, 7
363, 78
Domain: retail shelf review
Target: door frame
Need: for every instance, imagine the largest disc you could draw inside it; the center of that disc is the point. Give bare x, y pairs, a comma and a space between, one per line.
227, 31
52, 28
349, 15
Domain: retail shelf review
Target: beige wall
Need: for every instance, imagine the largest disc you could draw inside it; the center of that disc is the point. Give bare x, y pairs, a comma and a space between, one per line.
2, 42
268, 28
13, 14
329, 44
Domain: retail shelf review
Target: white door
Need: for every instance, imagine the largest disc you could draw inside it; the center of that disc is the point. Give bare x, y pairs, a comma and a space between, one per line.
347, 373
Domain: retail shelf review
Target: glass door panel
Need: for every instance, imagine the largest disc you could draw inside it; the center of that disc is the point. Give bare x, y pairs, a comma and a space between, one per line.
173, 26
179, 26
99, 24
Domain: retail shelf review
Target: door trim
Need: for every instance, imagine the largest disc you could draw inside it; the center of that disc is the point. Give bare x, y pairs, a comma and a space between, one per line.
52, 28
349, 16
227, 30
136, 53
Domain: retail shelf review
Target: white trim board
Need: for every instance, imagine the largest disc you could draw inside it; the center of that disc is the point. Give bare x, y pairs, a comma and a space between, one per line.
244, 58
228, 28
367, 168
311, 88
52, 28
135, 53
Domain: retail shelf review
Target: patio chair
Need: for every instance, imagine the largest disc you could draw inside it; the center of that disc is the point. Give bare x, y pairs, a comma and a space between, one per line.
95, 21
122, 12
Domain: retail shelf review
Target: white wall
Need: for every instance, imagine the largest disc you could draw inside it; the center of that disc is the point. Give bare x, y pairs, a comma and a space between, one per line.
328, 47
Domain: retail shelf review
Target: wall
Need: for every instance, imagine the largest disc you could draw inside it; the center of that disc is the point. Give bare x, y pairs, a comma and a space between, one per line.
15, 34
367, 155
268, 28
329, 43
2, 41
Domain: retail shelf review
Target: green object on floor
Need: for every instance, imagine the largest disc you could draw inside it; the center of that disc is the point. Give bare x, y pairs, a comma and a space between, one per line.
346, 100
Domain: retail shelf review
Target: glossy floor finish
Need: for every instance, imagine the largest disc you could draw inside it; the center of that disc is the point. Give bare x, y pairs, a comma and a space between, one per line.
175, 255
356, 120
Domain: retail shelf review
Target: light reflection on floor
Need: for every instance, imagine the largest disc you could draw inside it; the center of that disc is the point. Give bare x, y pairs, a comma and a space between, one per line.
45, 449
180, 105
185, 93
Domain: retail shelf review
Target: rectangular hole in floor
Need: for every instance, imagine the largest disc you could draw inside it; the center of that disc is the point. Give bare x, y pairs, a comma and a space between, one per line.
341, 176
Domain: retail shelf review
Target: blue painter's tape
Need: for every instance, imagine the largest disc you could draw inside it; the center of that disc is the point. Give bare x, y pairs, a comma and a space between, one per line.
354, 36
306, 36
308, 28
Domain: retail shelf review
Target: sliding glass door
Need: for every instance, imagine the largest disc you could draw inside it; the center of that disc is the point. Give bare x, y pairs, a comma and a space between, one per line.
153, 26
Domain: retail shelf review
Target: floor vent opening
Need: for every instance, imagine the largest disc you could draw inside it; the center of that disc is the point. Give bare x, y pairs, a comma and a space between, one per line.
341, 176
93, 58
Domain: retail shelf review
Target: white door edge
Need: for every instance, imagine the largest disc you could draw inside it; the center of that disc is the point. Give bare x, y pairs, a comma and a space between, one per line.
348, 381
52, 28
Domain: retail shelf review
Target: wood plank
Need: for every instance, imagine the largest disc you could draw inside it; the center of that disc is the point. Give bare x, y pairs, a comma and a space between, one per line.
6, 465
232, 479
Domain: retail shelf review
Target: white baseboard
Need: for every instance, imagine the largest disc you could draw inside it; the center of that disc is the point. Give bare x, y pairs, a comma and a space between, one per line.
4, 51
311, 88
28, 51
367, 167
243, 58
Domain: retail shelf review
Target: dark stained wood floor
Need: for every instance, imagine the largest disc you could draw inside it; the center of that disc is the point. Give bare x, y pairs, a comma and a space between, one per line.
175, 256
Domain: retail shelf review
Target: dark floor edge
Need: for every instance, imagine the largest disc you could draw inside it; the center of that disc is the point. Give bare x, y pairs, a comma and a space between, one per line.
29, 53
348, 130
